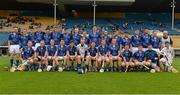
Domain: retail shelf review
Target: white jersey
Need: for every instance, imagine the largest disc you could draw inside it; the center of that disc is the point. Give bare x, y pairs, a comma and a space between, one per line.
82, 49
163, 40
168, 53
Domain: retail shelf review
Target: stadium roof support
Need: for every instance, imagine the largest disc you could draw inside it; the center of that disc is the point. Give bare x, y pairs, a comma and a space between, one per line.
55, 11
173, 7
99, 2
94, 12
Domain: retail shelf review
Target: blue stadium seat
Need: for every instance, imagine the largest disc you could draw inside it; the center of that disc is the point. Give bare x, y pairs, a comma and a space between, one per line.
4, 37
131, 23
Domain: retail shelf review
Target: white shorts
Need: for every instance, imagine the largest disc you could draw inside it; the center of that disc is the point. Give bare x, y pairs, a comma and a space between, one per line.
73, 57
42, 57
82, 56
125, 62
39, 57
157, 50
115, 57
36, 46
128, 63
138, 62
60, 57
92, 57
50, 57
153, 65
135, 49
100, 58
14, 49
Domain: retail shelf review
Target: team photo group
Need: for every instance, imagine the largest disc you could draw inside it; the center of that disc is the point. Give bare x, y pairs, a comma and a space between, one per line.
96, 51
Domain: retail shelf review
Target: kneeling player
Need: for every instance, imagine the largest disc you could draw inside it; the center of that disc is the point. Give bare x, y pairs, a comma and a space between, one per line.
103, 55
82, 52
114, 55
92, 56
72, 55
51, 51
40, 56
151, 58
139, 57
27, 56
61, 55
167, 59
127, 58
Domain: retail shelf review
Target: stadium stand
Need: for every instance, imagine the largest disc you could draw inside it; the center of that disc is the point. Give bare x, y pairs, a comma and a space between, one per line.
132, 24
3, 37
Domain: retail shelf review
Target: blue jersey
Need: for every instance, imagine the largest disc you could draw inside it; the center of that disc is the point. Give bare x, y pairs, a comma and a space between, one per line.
76, 39
51, 50
150, 55
118, 40
14, 39
19, 33
139, 56
92, 51
94, 38
56, 37
107, 40
114, 51
24, 40
103, 50
146, 40
135, 40
37, 36
31, 38
127, 55
43, 33
27, 53
86, 40
72, 50
41, 51
155, 41
126, 41
67, 38
61, 51
47, 39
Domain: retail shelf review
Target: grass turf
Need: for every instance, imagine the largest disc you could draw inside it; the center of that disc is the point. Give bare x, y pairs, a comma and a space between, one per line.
90, 83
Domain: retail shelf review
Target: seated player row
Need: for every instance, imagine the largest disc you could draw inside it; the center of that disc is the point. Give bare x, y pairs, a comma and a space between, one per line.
82, 57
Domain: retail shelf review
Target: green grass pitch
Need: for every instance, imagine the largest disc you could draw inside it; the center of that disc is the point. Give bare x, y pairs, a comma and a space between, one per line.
90, 83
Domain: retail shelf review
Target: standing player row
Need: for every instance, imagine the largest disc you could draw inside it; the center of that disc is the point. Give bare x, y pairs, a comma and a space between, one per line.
134, 41
94, 59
